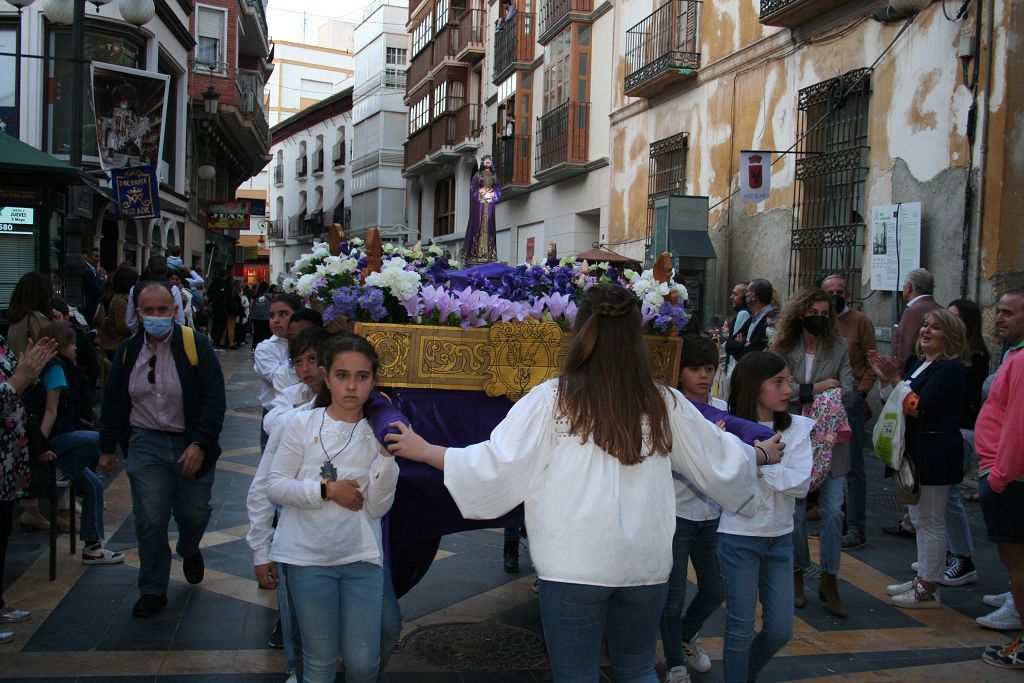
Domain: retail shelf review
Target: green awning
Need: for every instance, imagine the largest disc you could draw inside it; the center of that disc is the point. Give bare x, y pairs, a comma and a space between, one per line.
16, 156
690, 244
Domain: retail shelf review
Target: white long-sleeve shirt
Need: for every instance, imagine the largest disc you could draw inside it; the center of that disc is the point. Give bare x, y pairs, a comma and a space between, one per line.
316, 532
270, 355
284, 403
260, 509
593, 520
778, 487
691, 503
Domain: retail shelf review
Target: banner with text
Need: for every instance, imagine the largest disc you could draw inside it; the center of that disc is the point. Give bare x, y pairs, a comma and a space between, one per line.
755, 176
131, 107
227, 215
136, 192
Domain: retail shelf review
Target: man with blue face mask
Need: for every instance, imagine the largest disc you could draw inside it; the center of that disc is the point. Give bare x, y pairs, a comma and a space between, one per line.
164, 405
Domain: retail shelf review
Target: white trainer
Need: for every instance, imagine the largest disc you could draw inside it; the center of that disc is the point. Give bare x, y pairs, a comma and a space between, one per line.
900, 588
1006, 618
677, 674
997, 600
696, 656
917, 598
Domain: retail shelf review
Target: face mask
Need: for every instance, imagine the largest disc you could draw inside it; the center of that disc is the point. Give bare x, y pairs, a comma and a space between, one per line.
157, 326
839, 303
815, 324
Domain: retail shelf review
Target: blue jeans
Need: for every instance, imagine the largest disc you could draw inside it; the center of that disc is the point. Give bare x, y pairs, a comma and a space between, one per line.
752, 568
575, 616
77, 453
158, 489
830, 529
339, 611
856, 482
696, 542
958, 527
289, 623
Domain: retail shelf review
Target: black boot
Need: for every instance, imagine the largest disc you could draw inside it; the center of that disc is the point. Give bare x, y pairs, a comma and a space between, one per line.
512, 556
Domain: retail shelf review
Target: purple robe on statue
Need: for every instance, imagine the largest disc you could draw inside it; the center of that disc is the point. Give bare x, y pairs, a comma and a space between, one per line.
480, 231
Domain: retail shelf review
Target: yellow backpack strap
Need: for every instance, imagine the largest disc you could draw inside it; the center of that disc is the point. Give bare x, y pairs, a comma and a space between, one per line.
188, 338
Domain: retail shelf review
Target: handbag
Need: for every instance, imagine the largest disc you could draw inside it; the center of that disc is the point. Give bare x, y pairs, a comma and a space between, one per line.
908, 490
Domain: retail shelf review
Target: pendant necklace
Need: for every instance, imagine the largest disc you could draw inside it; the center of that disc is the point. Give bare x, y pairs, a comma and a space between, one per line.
328, 471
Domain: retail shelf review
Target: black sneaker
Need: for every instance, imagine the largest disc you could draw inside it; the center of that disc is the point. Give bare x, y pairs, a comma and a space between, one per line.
853, 540
959, 571
148, 605
276, 637
194, 568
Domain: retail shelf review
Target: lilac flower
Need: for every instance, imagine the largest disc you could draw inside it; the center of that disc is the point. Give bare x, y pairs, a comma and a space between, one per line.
371, 301
517, 310
344, 302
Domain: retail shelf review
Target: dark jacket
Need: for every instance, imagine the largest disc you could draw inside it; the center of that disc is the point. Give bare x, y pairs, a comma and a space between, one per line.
92, 290
737, 346
202, 390
933, 436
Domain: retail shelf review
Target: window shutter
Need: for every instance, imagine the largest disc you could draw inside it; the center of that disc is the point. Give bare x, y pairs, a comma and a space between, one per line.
210, 23
19, 257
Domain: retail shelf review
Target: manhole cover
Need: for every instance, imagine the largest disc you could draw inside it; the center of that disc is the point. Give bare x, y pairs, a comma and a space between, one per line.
476, 647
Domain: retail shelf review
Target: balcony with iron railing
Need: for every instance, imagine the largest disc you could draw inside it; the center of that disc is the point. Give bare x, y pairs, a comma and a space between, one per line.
297, 225
338, 155
792, 13
513, 45
470, 47
314, 223
318, 161
563, 136
275, 231
250, 91
253, 38
340, 215
662, 49
512, 162
279, 174
556, 15
300, 167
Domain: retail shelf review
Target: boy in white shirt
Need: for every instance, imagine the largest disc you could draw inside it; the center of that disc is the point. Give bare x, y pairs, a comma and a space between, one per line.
272, 354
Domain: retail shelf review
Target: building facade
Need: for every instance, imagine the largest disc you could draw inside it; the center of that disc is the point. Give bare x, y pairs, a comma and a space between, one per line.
379, 117
311, 179
854, 112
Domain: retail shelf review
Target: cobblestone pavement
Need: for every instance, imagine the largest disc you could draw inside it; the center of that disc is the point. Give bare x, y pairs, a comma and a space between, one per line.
465, 617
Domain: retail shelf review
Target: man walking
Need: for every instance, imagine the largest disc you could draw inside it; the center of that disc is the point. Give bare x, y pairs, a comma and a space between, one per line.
999, 440
92, 283
164, 404
859, 333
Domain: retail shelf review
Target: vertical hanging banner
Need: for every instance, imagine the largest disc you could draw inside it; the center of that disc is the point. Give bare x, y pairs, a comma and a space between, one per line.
755, 176
131, 107
136, 192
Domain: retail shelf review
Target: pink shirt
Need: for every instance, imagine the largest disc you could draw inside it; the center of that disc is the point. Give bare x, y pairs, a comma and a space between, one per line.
999, 431
156, 405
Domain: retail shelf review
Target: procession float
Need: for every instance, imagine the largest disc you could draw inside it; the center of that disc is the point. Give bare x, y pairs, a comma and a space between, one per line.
459, 345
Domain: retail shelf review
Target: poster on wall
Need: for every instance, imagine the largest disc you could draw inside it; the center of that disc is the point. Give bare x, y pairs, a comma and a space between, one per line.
895, 244
755, 176
136, 191
131, 107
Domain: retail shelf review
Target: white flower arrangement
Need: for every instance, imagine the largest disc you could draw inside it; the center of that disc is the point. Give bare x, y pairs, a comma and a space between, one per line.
395, 278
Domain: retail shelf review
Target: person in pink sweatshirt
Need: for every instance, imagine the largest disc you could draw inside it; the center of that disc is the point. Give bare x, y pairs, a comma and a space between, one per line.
999, 440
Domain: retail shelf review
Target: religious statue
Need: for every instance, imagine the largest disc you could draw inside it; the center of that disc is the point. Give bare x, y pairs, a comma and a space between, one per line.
484, 193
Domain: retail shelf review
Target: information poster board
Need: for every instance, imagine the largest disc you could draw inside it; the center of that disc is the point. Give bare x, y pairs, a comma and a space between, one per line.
895, 244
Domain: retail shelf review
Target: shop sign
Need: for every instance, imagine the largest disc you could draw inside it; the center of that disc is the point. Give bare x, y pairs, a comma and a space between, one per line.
230, 214
22, 196
17, 220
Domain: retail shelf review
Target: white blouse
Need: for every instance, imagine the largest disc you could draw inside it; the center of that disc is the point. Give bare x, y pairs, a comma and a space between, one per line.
591, 519
316, 532
691, 503
778, 487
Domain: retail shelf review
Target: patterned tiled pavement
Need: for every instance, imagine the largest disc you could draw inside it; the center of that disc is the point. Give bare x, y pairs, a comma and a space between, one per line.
82, 628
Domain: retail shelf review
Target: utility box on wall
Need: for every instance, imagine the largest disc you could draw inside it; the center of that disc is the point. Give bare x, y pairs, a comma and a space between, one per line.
681, 228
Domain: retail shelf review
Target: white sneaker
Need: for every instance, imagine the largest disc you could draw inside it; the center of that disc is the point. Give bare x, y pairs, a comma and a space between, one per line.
696, 656
292, 679
1005, 618
997, 600
900, 588
917, 598
8, 636
101, 556
677, 674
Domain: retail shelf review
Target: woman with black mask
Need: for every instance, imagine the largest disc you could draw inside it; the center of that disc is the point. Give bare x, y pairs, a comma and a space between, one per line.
808, 338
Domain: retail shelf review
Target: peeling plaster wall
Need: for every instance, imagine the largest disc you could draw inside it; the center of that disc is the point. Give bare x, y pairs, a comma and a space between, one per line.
745, 96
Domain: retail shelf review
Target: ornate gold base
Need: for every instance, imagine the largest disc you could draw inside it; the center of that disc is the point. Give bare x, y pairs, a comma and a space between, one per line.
507, 359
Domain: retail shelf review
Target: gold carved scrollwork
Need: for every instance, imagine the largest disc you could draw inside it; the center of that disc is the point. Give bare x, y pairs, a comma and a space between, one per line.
393, 349
452, 357
523, 354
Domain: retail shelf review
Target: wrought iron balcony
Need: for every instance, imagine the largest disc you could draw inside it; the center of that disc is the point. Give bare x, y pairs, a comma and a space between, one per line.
276, 230
512, 161
300, 167
318, 161
513, 45
279, 174
791, 13
556, 14
338, 155
469, 46
563, 135
340, 215
662, 49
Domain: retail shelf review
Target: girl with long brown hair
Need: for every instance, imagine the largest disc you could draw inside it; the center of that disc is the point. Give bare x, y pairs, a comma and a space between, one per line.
586, 453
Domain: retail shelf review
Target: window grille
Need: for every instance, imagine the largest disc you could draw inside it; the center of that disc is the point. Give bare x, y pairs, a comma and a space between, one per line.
666, 173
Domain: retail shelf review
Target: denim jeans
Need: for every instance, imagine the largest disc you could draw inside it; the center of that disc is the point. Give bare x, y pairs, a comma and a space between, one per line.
830, 540
158, 489
929, 518
575, 616
697, 542
77, 453
752, 568
958, 527
856, 482
339, 611
290, 633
